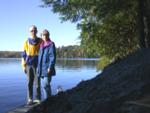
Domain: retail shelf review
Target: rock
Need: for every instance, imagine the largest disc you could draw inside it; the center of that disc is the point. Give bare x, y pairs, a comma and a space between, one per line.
22, 109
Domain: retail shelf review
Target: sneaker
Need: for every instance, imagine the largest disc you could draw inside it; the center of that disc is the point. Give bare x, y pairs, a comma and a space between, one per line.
29, 102
59, 89
37, 101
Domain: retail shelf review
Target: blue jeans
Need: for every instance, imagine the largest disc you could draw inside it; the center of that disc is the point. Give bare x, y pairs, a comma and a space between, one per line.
46, 87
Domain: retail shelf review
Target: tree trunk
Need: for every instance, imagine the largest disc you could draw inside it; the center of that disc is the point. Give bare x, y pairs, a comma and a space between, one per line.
141, 24
147, 21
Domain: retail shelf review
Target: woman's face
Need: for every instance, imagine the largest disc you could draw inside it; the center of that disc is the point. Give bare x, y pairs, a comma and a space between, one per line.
44, 37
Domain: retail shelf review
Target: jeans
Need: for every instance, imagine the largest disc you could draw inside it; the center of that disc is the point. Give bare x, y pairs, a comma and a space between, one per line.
46, 86
31, 77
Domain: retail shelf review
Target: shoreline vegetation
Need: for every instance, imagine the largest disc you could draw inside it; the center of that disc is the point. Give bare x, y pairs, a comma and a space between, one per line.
10, 54
74, 51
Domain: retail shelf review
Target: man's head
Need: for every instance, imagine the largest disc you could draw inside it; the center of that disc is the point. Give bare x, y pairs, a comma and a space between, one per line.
33, 31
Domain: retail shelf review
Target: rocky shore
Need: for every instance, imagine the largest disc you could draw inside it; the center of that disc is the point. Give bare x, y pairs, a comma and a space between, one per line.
122, 87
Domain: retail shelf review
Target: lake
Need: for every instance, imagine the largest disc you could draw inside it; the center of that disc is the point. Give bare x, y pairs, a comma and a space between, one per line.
13, 86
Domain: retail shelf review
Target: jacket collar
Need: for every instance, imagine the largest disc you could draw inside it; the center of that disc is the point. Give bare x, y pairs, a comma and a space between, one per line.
33, 41
46, 43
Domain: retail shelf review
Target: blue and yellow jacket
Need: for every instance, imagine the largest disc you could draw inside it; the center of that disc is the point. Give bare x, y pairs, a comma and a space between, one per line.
30, 52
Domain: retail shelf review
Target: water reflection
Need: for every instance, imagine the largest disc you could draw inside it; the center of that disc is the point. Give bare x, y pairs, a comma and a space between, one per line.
76, 63
65, 63
69, 72
9, 60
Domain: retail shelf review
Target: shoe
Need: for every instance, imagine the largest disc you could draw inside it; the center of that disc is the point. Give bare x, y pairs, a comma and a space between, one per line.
59, 89
29, 102
37, 101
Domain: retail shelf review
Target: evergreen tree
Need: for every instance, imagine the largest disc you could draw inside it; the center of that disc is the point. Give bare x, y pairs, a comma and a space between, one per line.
111, 28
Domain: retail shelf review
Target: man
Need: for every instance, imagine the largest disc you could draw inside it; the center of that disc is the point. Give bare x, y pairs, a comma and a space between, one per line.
29, 64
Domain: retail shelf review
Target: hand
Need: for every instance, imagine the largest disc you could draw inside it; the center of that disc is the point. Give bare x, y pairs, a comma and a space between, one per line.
25, 71
48, 71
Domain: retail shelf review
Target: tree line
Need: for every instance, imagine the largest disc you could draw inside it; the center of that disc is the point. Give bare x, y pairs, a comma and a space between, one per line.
73, 51
10, 54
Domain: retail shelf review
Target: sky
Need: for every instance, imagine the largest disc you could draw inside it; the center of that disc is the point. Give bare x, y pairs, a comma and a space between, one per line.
16, 16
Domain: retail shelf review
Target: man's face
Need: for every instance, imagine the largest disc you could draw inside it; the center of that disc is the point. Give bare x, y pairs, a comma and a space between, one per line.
33, 31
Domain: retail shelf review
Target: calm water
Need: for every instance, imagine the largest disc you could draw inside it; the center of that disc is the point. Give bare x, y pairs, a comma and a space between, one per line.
13, 81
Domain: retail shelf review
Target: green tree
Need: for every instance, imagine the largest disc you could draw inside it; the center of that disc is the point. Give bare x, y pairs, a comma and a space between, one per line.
111, 28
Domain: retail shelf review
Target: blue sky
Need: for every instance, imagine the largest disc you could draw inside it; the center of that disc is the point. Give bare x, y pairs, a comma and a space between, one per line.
17, 15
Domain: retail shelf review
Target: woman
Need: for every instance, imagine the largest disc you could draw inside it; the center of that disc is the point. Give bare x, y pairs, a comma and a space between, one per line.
46, 62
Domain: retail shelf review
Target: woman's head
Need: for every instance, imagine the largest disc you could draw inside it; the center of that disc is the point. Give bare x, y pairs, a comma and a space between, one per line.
45, 34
